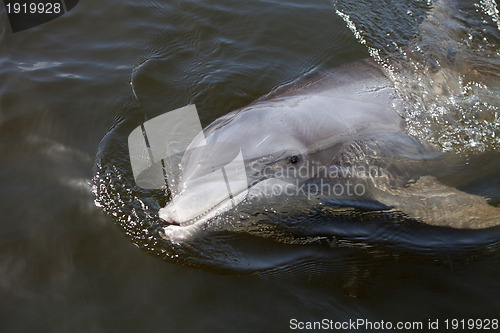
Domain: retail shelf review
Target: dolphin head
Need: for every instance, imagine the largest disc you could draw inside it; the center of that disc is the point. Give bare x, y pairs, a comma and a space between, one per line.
239, 151
287, 139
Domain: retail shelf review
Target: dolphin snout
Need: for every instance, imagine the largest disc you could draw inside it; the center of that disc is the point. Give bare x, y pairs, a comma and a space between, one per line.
169, 221
167, 215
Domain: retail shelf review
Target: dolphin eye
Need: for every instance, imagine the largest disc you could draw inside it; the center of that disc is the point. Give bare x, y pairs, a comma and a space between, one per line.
294, 159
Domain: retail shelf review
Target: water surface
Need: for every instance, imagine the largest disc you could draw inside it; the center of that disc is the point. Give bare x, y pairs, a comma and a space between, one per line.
67, 107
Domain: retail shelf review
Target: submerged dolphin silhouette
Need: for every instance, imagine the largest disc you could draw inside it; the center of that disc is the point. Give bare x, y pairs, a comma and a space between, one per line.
335, 137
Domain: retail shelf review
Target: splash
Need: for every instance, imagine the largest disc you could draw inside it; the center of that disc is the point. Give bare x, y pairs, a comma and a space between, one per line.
489, 7
443, 61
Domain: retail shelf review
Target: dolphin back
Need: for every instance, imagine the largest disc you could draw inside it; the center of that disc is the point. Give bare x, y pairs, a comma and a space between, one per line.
363, 80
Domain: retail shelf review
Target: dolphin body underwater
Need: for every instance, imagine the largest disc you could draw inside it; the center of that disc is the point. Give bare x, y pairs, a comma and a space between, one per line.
336, 139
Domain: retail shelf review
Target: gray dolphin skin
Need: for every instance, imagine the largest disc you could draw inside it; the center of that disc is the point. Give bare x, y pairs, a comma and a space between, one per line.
335, 138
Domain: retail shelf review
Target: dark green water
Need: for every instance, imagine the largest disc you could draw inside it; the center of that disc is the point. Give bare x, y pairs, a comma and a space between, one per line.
66, 103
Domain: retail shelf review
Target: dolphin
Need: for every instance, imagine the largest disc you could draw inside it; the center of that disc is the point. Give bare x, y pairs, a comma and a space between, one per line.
336, 138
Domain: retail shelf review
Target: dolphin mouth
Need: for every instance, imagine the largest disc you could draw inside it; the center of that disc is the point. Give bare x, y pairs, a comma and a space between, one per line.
169, 221
176, 216
179, 214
